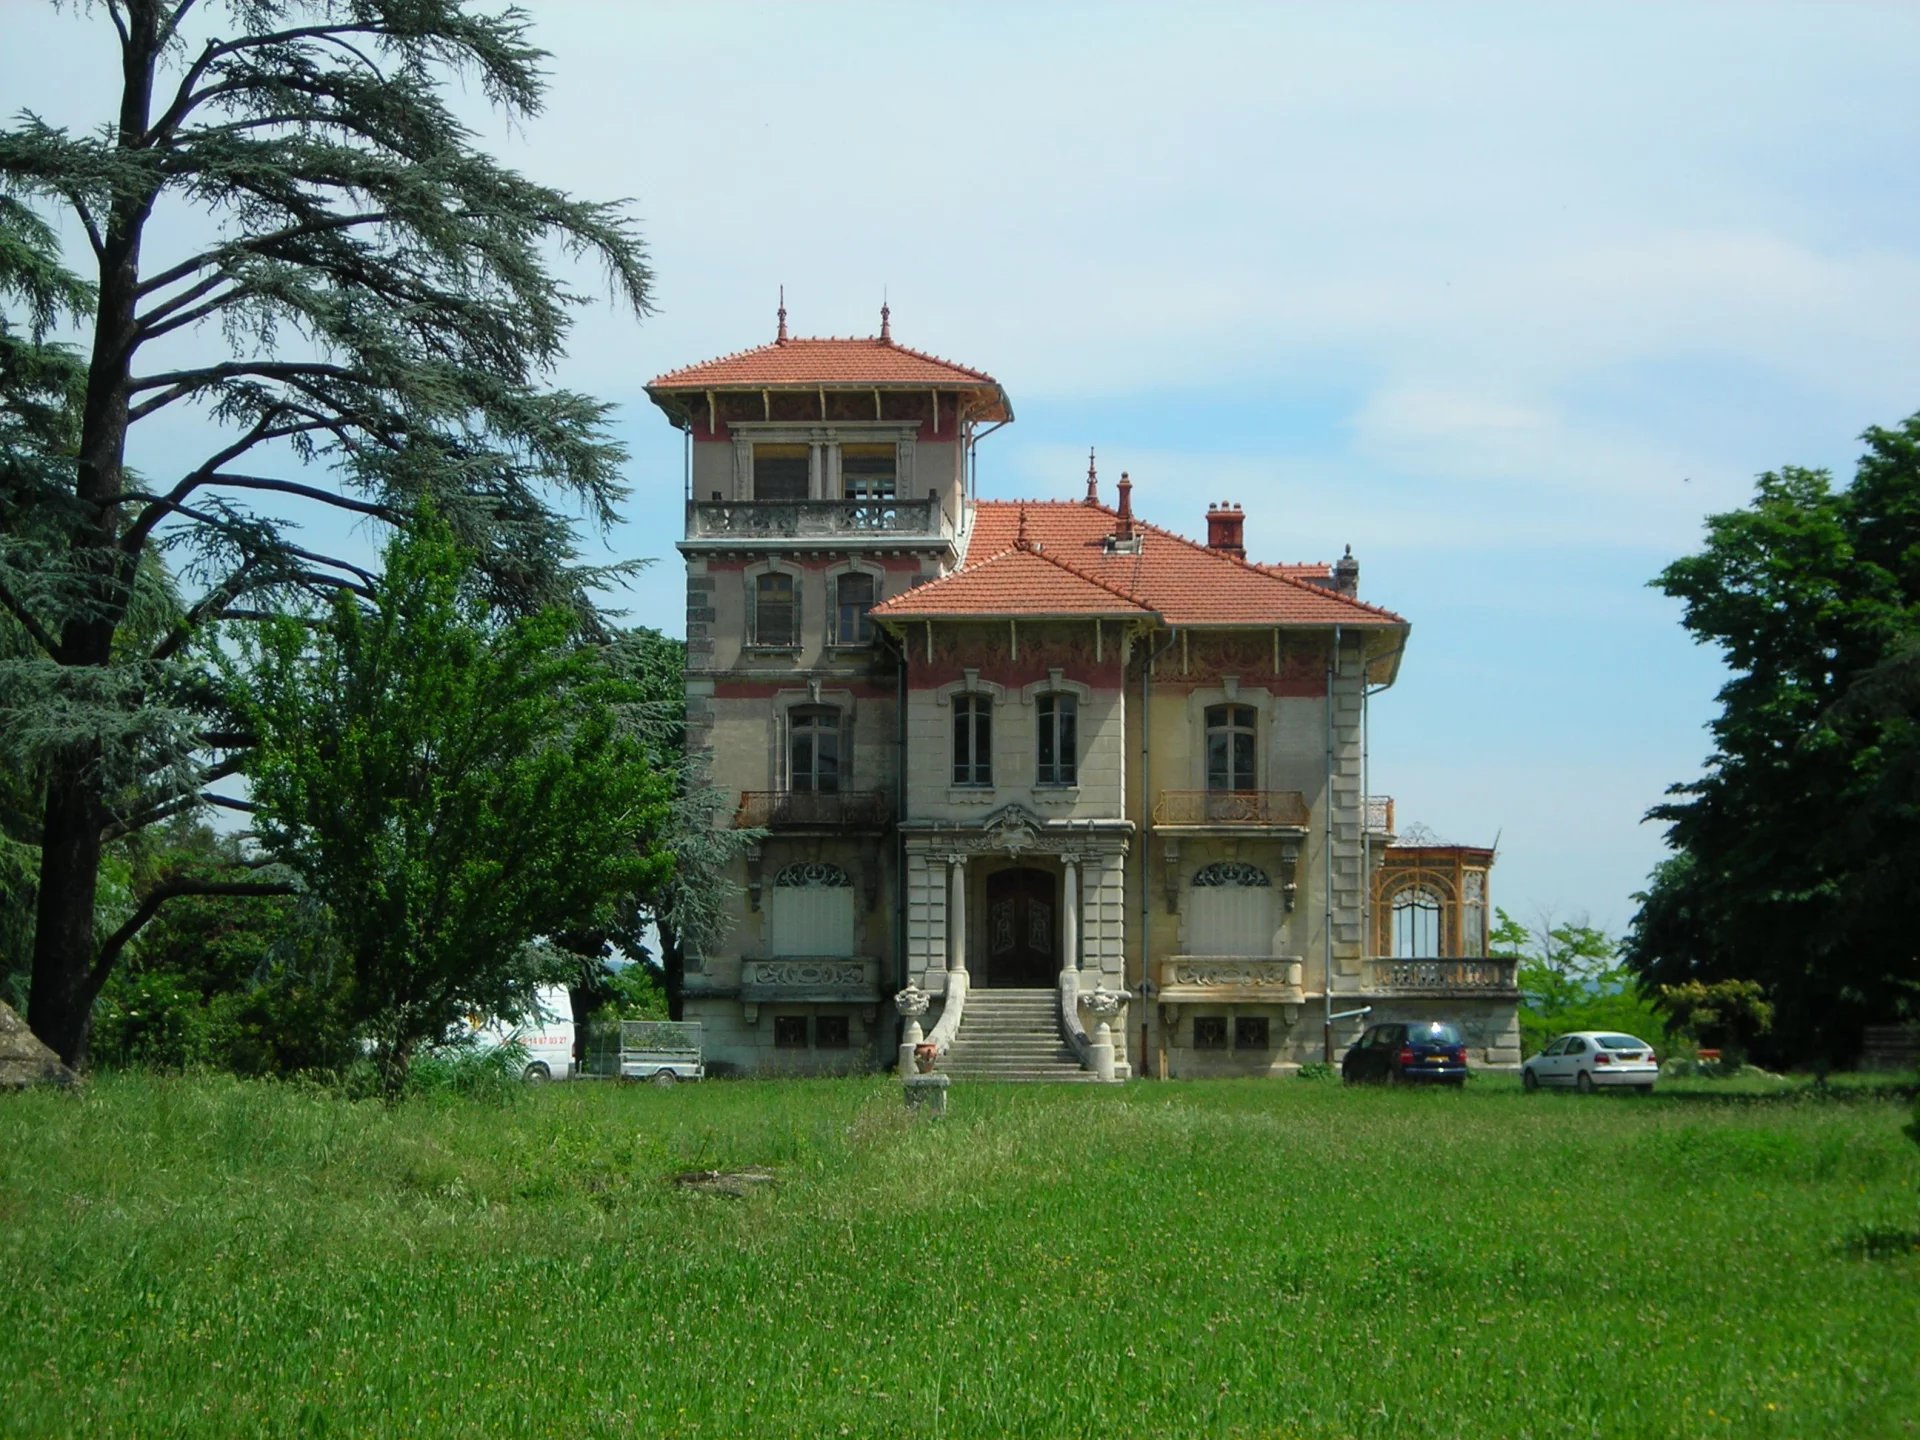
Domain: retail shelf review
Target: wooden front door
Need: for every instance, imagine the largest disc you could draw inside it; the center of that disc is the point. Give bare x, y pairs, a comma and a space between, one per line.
1023, 928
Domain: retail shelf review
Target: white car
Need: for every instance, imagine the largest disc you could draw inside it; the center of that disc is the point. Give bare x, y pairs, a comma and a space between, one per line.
546, 1034
1591, 1059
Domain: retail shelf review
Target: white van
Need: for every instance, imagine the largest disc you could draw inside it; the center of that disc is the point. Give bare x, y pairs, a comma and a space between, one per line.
546, 1035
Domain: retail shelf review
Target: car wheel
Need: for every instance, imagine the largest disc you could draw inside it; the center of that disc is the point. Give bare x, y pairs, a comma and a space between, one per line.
1529, 1081
1584, 1084
665, 1077
537, 1073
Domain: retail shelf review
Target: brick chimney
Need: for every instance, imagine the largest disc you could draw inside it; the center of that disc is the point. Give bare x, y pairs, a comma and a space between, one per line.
1225, 523
1123, 529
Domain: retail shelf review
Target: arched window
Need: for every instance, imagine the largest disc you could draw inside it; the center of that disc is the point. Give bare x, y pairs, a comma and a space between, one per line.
813, 750
1230, 752
1417, 911
1058, 760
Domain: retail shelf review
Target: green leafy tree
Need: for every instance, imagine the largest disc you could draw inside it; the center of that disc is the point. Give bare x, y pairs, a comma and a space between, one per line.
451, 783
1727, 1015
280, 183
1571, 978
1794, 851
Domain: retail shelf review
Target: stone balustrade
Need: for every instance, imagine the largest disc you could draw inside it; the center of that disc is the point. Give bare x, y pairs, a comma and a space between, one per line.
1478, 976
1231, 980
811, 979
807, 519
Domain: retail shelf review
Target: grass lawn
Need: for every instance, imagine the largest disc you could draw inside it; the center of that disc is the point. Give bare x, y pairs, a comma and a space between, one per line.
209, 1257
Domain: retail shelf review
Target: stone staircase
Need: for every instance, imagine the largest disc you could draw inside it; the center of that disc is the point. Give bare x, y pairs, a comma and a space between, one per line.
1012, 1035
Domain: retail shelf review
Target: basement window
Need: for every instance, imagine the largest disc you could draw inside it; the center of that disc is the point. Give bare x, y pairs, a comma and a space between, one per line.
1250, 1032
1209, 1032
789, 1032
830, 1032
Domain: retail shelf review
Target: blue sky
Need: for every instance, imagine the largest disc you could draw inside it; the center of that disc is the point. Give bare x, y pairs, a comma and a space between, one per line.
1506, 297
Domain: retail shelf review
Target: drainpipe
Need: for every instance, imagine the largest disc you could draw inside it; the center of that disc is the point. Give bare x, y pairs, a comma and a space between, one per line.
1326, 899
1146, 857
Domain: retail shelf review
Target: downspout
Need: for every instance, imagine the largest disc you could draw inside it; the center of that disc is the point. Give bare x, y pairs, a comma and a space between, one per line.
1147, 987
1326, 896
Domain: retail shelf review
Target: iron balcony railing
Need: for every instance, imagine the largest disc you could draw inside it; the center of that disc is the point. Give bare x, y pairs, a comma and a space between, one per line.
1286, 808
803, 519
786, 809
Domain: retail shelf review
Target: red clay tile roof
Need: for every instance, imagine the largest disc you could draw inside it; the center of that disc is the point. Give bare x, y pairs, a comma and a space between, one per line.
1017, 581
830, 362
1182, 581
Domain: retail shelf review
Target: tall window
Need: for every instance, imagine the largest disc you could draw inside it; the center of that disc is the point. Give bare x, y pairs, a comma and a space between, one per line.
973, 740
1059, 739
776, 610
780, 471
853, 597
813, 750
1416, 923
1230, 747
867, 472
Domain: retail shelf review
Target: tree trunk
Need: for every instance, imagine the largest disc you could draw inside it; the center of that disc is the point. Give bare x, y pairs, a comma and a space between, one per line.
60, 1004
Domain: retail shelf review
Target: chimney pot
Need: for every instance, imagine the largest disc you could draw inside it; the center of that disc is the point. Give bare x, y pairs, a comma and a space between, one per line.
1124, 529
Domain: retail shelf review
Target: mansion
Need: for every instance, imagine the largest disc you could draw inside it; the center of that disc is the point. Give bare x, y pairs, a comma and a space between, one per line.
1066, 792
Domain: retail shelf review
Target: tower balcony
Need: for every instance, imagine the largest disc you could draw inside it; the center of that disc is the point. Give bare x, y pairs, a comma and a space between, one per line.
806, 524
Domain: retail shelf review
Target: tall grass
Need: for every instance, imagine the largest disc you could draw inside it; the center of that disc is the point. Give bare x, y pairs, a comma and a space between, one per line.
205, 1257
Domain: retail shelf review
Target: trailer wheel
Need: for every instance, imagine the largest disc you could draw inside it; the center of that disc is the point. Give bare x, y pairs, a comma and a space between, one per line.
665, 1077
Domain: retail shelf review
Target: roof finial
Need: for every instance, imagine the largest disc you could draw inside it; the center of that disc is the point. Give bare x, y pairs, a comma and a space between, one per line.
1093, 480
781, 337
886, 325
1020, 540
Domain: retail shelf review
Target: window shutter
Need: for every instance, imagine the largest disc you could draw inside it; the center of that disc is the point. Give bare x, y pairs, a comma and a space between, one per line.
833, 609
753, 608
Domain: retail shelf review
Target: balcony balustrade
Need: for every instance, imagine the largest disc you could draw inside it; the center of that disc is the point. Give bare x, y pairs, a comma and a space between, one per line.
810, 519
1453, 977
1231, 980
806, 809
810, 979
1280, 809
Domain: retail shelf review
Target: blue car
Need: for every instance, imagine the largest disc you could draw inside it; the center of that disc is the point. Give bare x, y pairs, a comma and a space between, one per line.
1428, 1051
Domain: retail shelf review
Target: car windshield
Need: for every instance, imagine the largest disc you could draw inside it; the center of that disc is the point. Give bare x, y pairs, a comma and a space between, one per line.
1434, 1034
1619, 1042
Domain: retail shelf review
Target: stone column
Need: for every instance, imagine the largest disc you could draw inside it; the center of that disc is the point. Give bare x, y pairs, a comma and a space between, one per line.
1069, 913
957, 911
